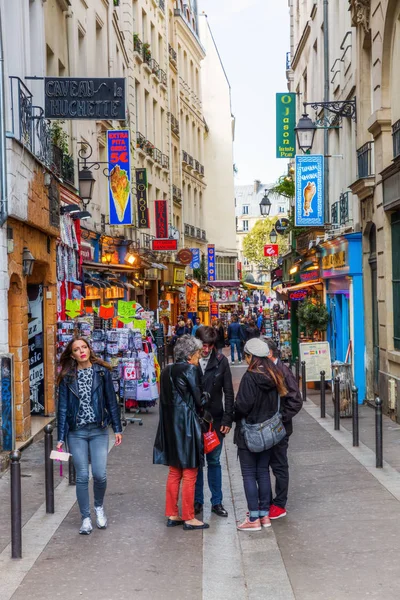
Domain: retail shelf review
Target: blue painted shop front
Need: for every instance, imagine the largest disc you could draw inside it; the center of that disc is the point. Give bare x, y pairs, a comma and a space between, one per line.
342, 275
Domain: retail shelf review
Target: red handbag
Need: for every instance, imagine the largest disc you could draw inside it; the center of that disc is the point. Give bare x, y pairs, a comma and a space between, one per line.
211, 440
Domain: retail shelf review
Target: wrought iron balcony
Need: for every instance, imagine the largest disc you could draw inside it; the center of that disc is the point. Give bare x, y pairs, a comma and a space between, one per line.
335, 214
201, 171
172, 54
155, 68
187, 159
288, 61
364, 160
147, 56
177, 194
187, 229
140, 141
203, 235
137, 44
165, 161
396, 138
68, 169
192, 231
161, 4
197, 166
157, 155
340, 211
174, 125
163, 77
149, 149
198, 233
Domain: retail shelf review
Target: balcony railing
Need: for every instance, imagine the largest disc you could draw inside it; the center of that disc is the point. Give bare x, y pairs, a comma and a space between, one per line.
137, 45
288, 61
161, 4
187, 159
63, 165
198, 233
172, 54
163, 77
396, 138
197, 166
157, 155
177, 194
187, 229
203, 235
192, 231
149, 149
155, 68
174, 125
147, 56
140, 141
340, 211
335, 214
364, 160
165, 161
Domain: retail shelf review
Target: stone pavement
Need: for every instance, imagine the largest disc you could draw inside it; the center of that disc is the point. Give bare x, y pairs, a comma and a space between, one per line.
339, 541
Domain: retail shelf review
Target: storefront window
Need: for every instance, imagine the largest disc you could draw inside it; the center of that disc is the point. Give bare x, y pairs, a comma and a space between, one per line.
396, 278
226, 266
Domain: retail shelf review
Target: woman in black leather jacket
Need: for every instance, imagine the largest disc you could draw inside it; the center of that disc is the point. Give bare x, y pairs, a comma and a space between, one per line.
179, 443
87, 404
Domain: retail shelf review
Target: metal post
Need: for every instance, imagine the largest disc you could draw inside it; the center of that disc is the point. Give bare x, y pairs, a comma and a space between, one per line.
49, 471
322, 383
336, 405
16, 519
354, 394
71, 472
303, 380
378, 433
297, 368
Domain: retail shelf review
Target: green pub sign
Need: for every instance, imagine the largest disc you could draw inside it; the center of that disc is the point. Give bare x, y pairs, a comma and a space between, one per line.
285, 124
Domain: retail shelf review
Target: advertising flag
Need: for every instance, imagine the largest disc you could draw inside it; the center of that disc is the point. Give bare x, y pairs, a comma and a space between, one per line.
211, 262
161, 212
285, 124
119, 182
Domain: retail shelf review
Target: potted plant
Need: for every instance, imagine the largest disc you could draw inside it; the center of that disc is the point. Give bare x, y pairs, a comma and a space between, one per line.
147, 52
313, 316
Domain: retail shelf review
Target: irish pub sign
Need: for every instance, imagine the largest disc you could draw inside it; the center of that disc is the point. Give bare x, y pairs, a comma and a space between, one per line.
285, 124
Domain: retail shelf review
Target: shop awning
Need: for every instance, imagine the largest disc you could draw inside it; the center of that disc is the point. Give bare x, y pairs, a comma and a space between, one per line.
301, 286
225, 284
94, 266
159, 266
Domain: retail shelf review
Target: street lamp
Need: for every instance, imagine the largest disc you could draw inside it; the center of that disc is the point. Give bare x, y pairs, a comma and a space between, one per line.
273, 236
27, 262
86, 185
305, 132
265, 205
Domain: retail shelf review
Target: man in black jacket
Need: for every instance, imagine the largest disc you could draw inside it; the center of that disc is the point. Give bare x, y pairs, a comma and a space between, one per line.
291, 404
217, 381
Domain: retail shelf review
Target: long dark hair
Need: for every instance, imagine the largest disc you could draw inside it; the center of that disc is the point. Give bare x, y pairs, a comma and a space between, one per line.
265, 366
68, 364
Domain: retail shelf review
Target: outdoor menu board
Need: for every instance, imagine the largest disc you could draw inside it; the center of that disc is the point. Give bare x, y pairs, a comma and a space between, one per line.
317, 356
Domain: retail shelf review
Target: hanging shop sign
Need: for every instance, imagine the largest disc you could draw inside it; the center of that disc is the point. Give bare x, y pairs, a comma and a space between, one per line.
84, 98
185, 256
141, 196
297, 295
86, 252
161, 212
214, 309
211, 262
195, 262
164, 244
119, 182
309, 275
317, 356
281, 226
285, 124
336, 260
309, 191
191, 298
271, 250
179, 276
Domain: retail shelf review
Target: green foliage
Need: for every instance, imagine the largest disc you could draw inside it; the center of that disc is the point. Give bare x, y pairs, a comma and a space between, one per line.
284, 187
313, 316
146, 52
201, 273
257, 238
59, 137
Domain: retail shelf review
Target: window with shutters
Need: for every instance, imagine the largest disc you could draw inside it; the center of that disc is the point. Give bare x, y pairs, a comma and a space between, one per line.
396, 278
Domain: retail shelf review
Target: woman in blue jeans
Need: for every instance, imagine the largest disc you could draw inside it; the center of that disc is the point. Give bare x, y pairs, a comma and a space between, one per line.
256, 401
87, 404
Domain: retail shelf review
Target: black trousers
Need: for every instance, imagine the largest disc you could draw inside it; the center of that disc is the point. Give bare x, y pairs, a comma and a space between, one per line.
280, 468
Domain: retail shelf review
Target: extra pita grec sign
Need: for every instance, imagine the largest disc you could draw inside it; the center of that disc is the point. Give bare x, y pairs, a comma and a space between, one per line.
84, 98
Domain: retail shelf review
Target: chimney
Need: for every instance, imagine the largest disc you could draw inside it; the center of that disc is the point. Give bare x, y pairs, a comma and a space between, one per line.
257, 185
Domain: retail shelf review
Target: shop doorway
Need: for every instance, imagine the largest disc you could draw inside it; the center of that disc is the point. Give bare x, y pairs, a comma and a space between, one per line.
36, 349
374, 308
339, 326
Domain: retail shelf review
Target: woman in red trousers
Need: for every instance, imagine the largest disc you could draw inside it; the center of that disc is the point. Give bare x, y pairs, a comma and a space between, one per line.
179, 441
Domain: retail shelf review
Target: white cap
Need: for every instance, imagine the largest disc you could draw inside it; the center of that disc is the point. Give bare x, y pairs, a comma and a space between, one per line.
257, 347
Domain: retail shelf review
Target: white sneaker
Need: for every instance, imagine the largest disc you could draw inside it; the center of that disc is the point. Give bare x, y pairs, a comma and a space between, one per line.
86, 527
101, 519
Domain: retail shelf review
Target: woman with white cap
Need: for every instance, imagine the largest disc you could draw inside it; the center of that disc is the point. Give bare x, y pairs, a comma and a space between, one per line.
257, 400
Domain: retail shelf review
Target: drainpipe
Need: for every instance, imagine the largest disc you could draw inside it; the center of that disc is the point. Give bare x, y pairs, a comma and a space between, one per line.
326, 99
3, 158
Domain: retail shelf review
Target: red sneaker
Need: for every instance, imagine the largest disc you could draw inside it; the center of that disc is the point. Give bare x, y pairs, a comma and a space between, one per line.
276, 512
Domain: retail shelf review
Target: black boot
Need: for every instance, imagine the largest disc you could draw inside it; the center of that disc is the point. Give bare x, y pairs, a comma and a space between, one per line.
219, 510
197, 508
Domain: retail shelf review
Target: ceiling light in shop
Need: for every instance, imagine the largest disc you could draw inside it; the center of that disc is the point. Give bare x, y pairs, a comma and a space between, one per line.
130, 258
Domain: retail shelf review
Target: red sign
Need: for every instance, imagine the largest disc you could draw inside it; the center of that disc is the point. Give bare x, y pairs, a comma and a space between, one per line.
309, 275
214, 309
239, 269
298, 295
185, 256
160, 207
271, 250
164, 244
86, 253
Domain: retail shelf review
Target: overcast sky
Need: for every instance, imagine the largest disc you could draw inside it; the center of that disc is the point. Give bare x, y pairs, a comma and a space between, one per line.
252, 38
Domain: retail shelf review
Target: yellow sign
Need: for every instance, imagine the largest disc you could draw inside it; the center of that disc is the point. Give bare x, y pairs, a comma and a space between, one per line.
179, 276
336, 260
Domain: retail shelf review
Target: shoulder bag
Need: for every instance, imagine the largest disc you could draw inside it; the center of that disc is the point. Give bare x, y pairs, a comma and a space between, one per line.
263, 436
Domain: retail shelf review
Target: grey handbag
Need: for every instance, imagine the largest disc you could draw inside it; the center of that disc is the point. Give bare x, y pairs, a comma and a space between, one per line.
263, 436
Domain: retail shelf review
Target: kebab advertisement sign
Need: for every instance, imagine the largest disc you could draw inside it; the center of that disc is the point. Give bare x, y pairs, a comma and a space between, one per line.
119, 182
309, 191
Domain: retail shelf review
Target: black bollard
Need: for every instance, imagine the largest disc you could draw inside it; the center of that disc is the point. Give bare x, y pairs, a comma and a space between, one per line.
48, 466
336, 405
378, 433
322, 383
354, 395
71, 472
303, 380
16, 518
297, 370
